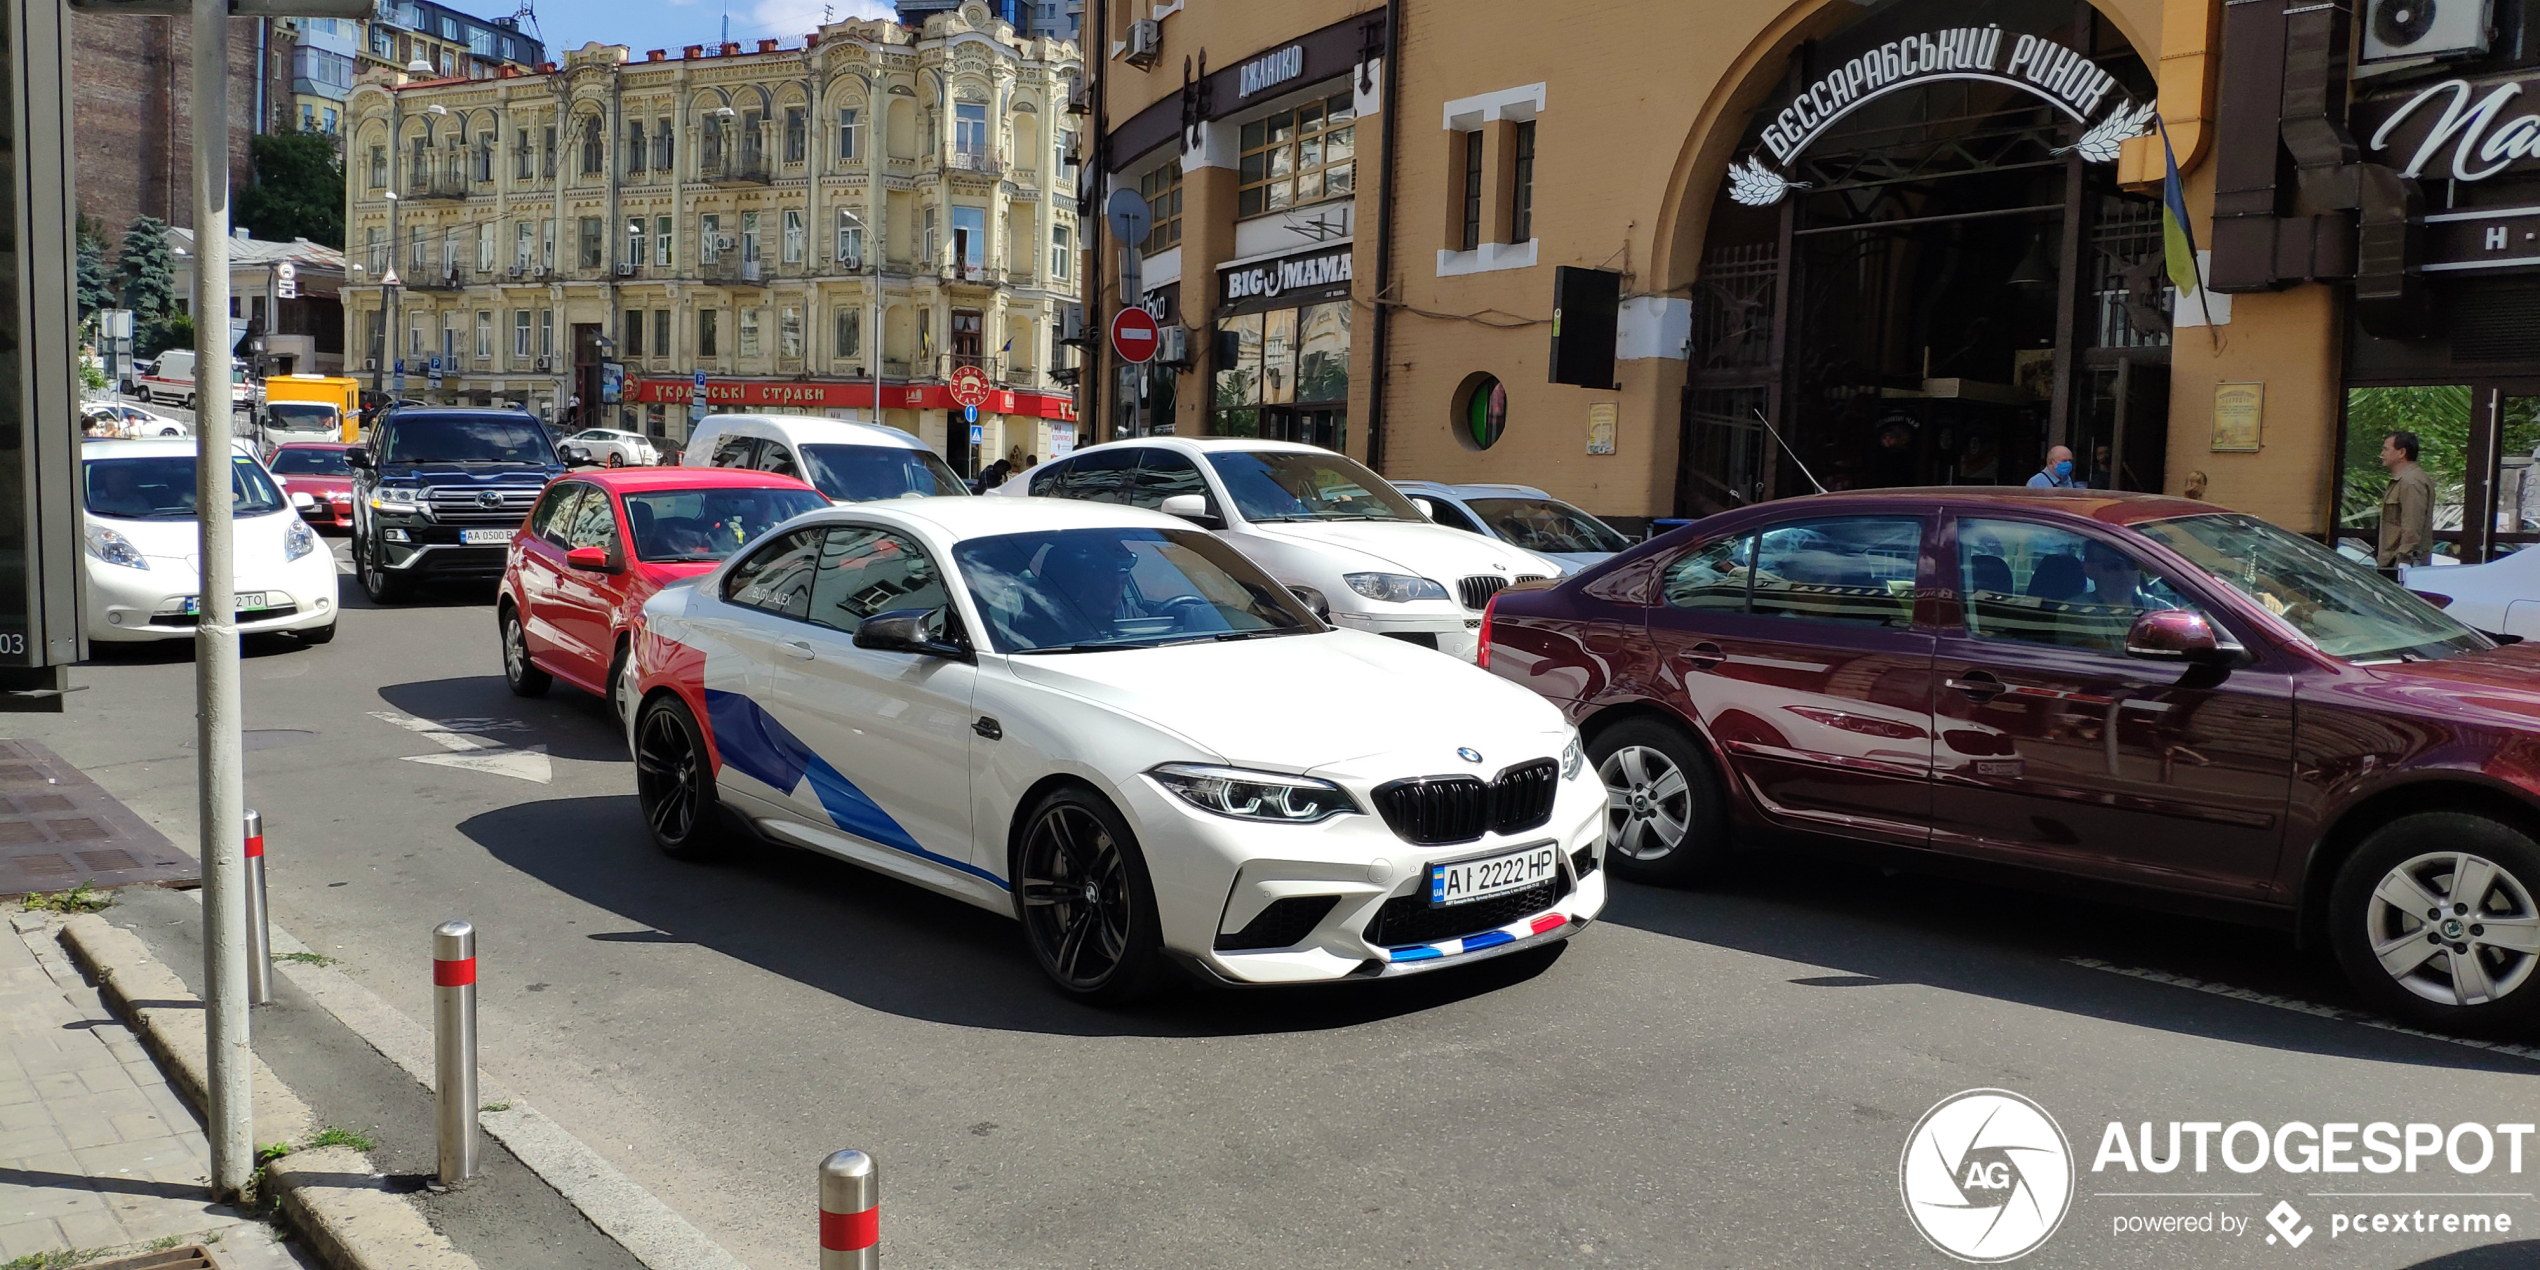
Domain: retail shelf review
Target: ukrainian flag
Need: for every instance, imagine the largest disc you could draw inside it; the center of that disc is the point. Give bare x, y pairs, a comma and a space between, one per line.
2178, 239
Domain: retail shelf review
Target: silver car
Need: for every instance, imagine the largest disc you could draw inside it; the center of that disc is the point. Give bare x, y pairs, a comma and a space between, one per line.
1521, 516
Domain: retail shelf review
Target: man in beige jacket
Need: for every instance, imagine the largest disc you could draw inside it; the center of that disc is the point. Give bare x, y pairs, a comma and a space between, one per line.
2407, 506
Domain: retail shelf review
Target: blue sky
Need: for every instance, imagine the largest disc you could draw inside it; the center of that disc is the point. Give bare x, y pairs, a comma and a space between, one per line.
673, 24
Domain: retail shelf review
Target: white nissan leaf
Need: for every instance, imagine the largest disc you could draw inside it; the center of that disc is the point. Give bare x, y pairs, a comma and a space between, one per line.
1118, 729
144, 548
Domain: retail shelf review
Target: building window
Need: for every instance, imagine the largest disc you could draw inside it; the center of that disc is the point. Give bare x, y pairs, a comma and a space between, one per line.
449, 338
846, 134
546, 244
662, 139
484, 335
797, 135
1065, 157
308, 117
710, 238
789, 332
521, 170
520, 333
850, 240
546, 332
970, 236
379, 167
1163, 191
332, 120
524, 236
634, 145
593, 248
1283, 373
926, 244
661, 332
661, 241
794, 236
705, 333
635, 241
630, 333
850, 333
593, 153
1481, 412
1299, 156
1521, 195
749, 237
749, 331
547, 152
1058, 252
485, 246
416, 253
970, 129
1472, 238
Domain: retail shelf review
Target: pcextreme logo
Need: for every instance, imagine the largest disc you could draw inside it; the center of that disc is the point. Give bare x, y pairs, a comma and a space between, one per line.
1987, 1175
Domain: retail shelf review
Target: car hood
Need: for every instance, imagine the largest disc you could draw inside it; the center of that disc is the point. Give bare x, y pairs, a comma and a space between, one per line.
2501, 681
317, 484
1430, 551
1305, 703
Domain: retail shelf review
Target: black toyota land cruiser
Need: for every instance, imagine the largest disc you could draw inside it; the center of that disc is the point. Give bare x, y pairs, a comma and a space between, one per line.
438, 492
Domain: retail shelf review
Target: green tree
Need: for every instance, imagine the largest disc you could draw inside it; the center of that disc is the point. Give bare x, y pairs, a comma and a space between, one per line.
94, 291
299, 189
145, 276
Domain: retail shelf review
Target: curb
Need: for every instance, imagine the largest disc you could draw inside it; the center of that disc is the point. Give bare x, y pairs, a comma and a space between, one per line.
332, 1197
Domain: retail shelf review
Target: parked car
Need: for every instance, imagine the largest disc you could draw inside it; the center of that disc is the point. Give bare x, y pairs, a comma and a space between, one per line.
129, 422
137, 520
2148, 695
439, 491
1521, 516
171, 382
614, 448
599, 544
1351, 545
849, 462
1086, 717
319, 470
2500, 597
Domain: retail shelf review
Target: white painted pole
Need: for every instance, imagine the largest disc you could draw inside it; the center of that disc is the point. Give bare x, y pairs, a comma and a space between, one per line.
231, 1111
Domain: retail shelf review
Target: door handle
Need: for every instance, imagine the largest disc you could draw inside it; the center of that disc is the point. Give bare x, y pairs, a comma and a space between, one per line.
988, 727
1977, 684
1705, 655
798, 650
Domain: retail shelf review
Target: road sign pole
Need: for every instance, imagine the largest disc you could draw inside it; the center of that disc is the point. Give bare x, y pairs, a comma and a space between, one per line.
230, 1113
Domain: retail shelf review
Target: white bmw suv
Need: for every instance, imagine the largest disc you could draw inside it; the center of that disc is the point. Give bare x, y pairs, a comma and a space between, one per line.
1350, 544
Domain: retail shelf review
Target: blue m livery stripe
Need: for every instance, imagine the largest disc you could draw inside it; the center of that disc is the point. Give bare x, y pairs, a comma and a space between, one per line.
752, 742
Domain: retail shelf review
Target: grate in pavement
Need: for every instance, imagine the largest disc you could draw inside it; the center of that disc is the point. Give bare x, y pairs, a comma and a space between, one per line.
59, 829
189, 1257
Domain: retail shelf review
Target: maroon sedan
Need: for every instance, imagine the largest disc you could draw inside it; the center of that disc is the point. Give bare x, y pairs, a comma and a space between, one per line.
316, 468
2122, 689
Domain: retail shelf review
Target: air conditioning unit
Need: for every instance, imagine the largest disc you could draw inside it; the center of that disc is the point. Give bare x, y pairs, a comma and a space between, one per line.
1146, 42
1173, 345
2424, 28
1071, 326
541, 272
626, 271
1080, 99
370, 363
517, 270
546, 364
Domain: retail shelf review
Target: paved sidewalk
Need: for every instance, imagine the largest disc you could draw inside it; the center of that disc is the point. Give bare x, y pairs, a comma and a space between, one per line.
96, 1151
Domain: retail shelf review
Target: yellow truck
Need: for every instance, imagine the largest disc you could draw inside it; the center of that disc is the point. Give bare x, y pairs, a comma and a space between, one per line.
310, 408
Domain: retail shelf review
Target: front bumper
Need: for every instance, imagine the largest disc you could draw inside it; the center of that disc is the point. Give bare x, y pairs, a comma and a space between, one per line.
1452, 632
1217, 880
433, 549
141, 605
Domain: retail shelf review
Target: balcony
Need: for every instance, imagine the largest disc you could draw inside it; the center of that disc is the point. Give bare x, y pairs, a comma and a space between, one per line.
732, 271
1028, 178
443, 187
973, 163
741, 171
971, 275
448, 278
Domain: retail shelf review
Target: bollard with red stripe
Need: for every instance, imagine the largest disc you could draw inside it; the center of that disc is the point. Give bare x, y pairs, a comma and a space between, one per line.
850, 1212
259, 932
454, 1047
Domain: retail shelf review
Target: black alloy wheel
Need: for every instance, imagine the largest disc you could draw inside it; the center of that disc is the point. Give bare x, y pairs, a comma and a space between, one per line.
1086, 905
520, 674
673, 785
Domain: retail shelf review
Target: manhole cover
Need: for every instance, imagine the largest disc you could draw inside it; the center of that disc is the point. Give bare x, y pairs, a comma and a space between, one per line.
58, 829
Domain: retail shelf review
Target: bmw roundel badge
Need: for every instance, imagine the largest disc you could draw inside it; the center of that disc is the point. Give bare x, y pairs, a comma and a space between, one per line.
1469, 754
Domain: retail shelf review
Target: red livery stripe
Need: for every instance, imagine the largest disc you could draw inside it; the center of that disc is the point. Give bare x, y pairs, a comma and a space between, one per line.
1547, 922
453, 974
850, 1232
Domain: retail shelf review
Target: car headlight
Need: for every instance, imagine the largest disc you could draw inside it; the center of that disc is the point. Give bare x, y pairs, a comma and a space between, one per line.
114, 548
298, 541
1246, 795
393, 498
1573, 759
1394, 588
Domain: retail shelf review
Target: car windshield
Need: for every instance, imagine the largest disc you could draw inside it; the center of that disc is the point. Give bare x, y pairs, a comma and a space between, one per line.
1093, 590
872, 473
161, 487
1543, 524
2343, 608
699, 526
417, 438
309, 461
1270, 485
303, 416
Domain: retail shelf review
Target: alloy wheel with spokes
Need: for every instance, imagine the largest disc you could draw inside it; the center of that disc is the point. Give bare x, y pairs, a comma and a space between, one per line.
2434, 916
673, 785
1663, 817
1648, 804
1082, 894
519, 673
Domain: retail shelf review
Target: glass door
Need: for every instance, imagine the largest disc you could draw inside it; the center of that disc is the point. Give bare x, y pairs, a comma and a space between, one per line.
2515, 410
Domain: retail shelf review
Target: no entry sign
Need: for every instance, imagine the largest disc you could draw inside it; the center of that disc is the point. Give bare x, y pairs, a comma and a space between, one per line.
970, 386
1134, 335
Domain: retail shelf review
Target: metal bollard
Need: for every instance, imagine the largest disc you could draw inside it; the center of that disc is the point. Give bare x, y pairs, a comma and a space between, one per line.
850, 1212
259, 933
454, 1047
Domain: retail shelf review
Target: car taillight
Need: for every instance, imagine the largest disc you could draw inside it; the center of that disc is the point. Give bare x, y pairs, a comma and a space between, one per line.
1482, 658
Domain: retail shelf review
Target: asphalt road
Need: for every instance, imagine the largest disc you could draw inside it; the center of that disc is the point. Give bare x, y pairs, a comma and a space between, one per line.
1717, 1078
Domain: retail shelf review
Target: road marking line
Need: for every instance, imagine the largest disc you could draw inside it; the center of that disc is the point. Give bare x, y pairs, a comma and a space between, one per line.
653, 1231
2303, 1007
474, 753
438, 733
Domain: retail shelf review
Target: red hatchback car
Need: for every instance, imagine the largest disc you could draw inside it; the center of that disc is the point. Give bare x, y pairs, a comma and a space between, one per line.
2120, 689
600, 543
316, 468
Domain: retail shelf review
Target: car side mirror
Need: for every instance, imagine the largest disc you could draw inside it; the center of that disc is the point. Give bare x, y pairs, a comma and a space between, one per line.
302, 502
909, 631
1193, 508
588, 559
358, 460
2179, 635
1427, 509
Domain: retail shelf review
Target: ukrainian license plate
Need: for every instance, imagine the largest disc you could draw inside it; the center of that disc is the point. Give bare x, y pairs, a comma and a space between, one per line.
192, 605
1467, 880
485, 537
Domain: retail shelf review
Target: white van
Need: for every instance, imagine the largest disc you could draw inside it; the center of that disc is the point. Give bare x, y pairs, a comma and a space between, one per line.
1346, 541
171, 381
849, 462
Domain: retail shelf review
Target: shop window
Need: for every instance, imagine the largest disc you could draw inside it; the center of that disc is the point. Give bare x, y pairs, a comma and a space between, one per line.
1297, 157
2439, 415
1322, 364
1481, 412
1162, 189
1272, 369
1237, 395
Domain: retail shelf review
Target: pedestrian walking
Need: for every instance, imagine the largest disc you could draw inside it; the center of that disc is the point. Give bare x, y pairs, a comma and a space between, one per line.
2058, 472
2407, 506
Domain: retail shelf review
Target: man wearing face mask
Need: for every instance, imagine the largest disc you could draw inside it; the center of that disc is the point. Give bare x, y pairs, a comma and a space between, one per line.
2058, 472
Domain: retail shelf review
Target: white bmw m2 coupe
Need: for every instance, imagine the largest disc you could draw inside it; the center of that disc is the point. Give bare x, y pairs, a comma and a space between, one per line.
1121, 731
